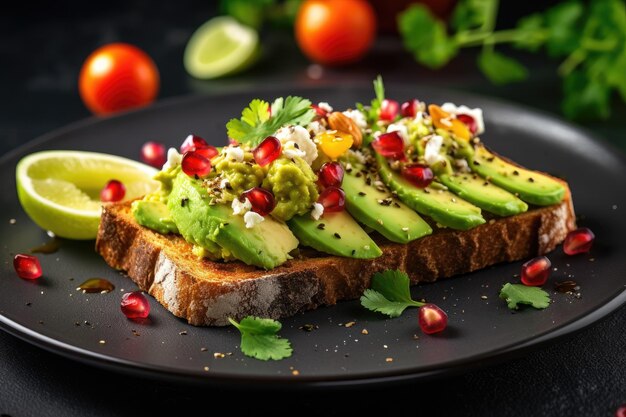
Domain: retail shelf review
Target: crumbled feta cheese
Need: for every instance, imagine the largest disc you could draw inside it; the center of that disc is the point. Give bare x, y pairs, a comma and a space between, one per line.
432, 149
315, 128
358, 155
317, 211
357, 117
252, 219
241, 207
223, 183
462, 165
419, 116
325, 106
173, 159
296, 141
402, 131
234, 152
476, 114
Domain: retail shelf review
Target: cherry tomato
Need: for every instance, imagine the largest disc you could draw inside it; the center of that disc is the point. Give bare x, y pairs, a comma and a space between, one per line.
117, 77
335, 32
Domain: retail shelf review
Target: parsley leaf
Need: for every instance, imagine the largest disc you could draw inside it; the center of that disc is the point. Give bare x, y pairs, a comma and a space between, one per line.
259, 339
256, 124
389, 293
426, 37
372, 112
515, 294
501, 69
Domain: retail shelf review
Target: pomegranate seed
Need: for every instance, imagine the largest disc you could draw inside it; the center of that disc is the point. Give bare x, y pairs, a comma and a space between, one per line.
27, 266
153, 154
267, 151
320, 112
388, 110
262, 201
113, 191
389, 145
333, 199
331, 174
192, 143
621, 412
432, 319
536, 271
195, 165
410, 108
419, 175
469, 122
578, 241
135, 305
209, 152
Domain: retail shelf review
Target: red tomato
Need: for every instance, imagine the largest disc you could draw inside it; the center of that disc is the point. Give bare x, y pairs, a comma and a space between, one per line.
117, 77
335, 32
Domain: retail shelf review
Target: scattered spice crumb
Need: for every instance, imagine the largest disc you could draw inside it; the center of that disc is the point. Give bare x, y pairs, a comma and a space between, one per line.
385, 346
206, 368
135, 332
484, 297
40, 321
592, 259
309, 327
415, 337
295, 372
204, 349
388, 359
102, 342
218, 355
12, 221
183, 333
364, 331
29, 304
350, 324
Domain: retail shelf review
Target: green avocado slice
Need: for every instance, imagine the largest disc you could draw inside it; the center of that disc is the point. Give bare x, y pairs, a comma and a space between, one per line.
531, 186
443, 206
380, 211
483, 194
335, 233
266, 245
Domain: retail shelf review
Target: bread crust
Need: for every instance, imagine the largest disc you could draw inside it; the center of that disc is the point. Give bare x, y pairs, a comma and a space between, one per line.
206, 292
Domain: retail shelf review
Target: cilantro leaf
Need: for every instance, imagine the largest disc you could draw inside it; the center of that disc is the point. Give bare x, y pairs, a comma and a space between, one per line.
259, 339
516, 294
426, 37
563, 21
389, 294
256, 124
372, 112
501, 69
585, 97
470, 14
531, 33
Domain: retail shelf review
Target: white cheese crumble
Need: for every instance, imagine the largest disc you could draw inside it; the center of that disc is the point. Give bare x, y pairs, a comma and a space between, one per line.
358, 155
241, 207
252, 219
325, 106
296, 141
432, 149
402, 131
173, 159
315, 128
419, 116
476, 114
357, 117
462, 165
234, 152
317, 211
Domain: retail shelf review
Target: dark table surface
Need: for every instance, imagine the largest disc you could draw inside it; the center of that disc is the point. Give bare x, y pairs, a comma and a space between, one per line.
581, 375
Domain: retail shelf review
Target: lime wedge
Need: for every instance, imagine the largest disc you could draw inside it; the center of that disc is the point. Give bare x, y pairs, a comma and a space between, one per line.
220, 47
60, 190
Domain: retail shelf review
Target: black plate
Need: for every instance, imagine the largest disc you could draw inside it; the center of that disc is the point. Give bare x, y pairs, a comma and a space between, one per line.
52, 314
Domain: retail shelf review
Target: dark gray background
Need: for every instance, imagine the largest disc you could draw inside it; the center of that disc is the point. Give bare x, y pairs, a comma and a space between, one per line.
42, 47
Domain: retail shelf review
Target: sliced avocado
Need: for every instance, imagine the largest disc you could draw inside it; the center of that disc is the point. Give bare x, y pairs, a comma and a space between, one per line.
380, 211
435, 201
335, 233
154, 215
214, 227
482, 193
531, 186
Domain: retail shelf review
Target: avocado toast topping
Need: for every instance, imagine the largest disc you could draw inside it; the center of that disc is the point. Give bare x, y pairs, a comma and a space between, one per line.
298, 188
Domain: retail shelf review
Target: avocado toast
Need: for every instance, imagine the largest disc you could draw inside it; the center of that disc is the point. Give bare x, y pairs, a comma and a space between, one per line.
310, 202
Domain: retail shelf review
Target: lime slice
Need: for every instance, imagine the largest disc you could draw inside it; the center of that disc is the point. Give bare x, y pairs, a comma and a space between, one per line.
60, 190
220, 47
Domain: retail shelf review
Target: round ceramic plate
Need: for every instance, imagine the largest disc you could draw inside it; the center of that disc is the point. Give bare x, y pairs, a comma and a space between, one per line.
347, 344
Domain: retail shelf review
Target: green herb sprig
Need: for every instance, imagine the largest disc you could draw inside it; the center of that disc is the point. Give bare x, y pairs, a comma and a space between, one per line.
516, 294
259, 339
389, 294
588, 37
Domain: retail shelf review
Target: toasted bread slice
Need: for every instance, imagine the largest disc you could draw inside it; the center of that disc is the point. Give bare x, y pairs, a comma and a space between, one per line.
206, 293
